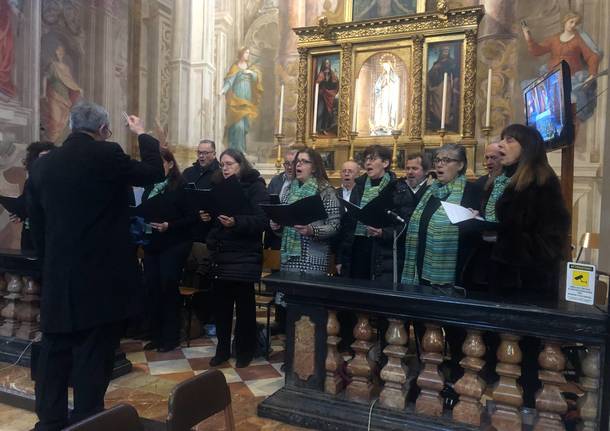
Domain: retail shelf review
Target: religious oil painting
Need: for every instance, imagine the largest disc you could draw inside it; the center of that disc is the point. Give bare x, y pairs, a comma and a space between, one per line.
381, 95
325, 110
328, 160
443, 58
370, 9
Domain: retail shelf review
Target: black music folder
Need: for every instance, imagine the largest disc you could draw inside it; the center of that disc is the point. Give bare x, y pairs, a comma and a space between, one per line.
301, 212
374, 213
225, 198
14, 206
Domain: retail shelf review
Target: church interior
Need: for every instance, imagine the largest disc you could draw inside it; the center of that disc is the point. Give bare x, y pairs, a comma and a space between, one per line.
336, 76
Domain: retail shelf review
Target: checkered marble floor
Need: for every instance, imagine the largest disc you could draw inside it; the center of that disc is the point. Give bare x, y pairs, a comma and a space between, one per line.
261, 378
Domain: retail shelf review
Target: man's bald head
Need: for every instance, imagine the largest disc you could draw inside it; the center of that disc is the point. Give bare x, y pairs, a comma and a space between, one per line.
349, 172
492, 159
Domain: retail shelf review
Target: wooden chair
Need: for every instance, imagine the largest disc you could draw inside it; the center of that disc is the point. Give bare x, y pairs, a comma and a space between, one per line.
121, 417
198, 398
187, 294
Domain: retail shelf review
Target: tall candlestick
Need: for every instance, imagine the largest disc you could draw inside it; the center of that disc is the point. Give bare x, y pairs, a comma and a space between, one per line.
279, 127
488, 106
444, 104
315, 108
355, 113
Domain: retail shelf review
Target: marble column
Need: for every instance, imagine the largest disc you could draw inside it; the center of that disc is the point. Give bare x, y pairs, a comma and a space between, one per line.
550, 403
395, 372
507, 394
333, 384
429, 402
588, 404
471, 387
9, 311
361, 366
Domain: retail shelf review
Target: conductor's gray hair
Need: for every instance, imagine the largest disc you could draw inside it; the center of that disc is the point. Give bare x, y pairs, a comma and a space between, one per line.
88, 116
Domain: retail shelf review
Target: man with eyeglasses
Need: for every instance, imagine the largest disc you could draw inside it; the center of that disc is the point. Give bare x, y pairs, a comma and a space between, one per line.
280, 182
199, 176
78, 206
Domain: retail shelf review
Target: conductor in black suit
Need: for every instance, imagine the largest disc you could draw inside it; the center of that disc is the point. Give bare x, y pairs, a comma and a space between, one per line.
78, 203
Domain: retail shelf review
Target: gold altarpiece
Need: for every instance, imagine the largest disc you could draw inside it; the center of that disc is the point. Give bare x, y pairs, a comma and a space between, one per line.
414, 47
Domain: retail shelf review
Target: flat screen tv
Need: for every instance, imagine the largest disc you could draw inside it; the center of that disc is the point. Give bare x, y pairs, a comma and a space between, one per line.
548, 107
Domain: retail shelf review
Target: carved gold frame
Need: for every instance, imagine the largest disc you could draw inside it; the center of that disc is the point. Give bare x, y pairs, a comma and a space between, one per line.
433, 136
412, 30
321, 141
349, 9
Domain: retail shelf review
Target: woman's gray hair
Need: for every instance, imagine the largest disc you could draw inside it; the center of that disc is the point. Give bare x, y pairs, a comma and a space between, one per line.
459, 153
88, 116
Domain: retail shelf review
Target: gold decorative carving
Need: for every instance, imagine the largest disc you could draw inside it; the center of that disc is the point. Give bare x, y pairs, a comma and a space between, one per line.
391, 27
345, 92
470, 74
304, 348
302, 90
416, 99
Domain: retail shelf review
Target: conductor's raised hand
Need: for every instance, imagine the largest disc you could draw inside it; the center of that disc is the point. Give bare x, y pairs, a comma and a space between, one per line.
160, 227
135, 124
306, 230
226, 221
205, 217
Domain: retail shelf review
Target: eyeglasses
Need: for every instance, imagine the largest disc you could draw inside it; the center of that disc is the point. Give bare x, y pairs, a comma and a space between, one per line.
304, 162
205, 153
371, 158
444, 160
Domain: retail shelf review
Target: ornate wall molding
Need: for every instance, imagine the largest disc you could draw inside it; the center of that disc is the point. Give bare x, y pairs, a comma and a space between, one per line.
302, 90
345, 91
470, 75
428, 23
416, 98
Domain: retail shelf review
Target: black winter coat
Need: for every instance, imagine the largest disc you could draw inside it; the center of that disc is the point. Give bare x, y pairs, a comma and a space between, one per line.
78, 204
202, 179
381, 248
176, 213
237, 252
532, 239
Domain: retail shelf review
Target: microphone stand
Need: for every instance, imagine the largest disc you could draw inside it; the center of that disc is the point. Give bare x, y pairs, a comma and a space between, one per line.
395, 244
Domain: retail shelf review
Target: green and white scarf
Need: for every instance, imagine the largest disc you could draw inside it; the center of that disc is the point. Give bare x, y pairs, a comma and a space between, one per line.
291, 239
158, 189
370, 193
500, 183
440, 254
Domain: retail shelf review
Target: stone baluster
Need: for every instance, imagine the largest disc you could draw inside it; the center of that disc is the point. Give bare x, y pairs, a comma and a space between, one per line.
588, 404
360, 366
507, 394
9, 311
471, 387
395, 372
333, 384
28, 310
550, 403
430, 381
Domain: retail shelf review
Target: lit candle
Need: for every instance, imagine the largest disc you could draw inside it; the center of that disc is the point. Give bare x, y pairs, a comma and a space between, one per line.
488, 106
355, 113
315, 108
279, 128
444, 104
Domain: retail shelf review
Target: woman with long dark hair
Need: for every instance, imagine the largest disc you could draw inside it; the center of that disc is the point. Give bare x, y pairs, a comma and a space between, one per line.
236, 252
533, 221
307, 248
165, 254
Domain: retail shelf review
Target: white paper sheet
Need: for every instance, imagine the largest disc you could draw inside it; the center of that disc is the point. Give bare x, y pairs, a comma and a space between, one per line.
458, 213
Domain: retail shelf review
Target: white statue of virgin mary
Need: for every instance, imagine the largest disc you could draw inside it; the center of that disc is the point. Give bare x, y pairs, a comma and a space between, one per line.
387, 98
